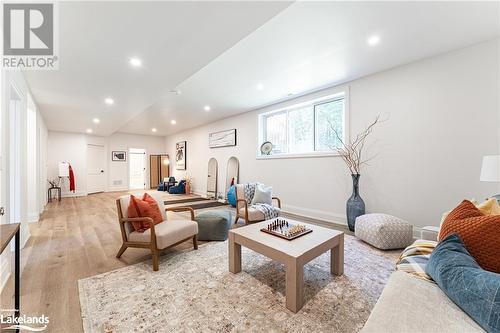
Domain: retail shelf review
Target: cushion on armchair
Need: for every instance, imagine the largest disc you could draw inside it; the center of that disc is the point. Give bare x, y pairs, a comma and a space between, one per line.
263, 195
474, 290
253, 214
147, 207
167, 233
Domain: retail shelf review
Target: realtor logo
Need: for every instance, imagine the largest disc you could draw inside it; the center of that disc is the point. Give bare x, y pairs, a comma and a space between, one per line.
29, 32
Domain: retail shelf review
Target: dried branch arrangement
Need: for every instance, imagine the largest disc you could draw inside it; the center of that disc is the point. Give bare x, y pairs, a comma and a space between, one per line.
352, 151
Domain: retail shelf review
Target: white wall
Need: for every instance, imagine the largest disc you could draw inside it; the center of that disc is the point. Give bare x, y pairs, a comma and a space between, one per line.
32, 192
42, 162
498, 105
118, 175
443, 117
72, 148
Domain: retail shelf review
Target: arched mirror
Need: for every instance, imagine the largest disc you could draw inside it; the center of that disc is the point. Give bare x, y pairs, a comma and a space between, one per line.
212, 179
232, 173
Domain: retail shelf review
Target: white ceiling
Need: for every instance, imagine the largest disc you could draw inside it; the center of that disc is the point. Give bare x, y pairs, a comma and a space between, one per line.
216, 53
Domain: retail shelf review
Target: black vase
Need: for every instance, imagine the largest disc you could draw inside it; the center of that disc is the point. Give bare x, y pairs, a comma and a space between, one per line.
355, 205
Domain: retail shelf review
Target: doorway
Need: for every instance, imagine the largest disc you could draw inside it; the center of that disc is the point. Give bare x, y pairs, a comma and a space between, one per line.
14, 157
137, 169
212, 178
32, 161
96, 159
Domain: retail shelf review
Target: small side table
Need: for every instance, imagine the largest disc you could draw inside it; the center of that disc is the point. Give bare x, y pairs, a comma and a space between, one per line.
49, 193
7, 233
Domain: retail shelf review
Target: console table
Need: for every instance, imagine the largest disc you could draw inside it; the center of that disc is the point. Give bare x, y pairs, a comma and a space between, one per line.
7, 232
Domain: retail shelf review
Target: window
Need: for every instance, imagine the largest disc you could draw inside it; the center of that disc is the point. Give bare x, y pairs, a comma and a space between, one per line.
306, 128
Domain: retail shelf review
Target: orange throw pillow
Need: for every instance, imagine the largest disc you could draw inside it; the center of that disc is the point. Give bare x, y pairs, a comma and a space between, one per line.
147, 207
480, 233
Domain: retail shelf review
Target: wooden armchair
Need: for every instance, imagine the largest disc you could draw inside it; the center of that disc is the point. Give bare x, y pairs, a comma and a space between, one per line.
158, 237
246, 211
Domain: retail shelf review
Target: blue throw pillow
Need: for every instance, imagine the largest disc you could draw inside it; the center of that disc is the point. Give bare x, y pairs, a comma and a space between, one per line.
475, 290
231, 196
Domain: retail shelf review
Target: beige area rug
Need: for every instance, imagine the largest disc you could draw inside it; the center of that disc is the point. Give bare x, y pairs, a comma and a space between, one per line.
194, 292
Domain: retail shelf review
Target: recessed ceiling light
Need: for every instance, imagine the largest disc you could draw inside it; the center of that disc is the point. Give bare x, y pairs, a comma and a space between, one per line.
153, 130
96, 120
109, 101
260, 86
136, 62
206, 108
173, 122
373, 40
89, 130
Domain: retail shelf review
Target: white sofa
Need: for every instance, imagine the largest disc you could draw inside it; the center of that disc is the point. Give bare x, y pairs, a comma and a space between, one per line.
411, 305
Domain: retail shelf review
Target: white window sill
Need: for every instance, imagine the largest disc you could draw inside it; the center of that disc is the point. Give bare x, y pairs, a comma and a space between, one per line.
299, 155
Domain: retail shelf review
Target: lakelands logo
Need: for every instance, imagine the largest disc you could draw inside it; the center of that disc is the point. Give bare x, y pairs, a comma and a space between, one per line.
30, 36
24, 322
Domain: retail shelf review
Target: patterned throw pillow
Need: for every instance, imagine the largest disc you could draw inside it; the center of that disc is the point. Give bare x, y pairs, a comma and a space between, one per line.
147, 207
480, 233
488, 207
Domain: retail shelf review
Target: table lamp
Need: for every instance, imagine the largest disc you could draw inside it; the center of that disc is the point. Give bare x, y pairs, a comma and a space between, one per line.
490, 170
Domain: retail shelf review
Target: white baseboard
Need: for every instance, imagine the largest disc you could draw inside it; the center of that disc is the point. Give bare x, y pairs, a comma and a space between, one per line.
73, 195
31, 218
316, 214
117, 189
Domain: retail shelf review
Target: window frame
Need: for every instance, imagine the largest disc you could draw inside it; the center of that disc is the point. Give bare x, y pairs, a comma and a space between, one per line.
331, 96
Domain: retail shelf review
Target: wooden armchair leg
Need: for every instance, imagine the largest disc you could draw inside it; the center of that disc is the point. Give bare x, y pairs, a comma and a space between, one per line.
195, 242
155, 254
121, 250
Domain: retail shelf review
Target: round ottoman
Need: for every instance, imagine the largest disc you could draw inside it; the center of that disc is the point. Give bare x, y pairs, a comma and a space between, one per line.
384, 231
213, 225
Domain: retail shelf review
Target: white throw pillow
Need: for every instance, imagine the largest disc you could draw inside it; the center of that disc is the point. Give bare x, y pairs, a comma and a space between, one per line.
263, 195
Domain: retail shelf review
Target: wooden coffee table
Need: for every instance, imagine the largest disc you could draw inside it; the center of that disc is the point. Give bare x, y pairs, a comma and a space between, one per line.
293, 254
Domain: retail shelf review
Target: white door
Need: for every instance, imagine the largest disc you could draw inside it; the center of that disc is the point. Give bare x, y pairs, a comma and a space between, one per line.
137, 171
212, 178
96, 159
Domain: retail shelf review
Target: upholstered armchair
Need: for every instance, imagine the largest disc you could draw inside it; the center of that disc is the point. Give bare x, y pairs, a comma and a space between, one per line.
246, 211
158, 237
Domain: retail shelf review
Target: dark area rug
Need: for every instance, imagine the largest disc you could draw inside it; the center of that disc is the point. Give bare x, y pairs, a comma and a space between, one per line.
173, 202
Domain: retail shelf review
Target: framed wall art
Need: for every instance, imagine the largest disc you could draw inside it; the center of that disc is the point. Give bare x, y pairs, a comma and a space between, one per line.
222, 139
119, 156
180, 155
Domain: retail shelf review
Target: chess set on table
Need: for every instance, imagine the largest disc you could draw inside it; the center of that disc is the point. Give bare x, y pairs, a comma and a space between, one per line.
282, 228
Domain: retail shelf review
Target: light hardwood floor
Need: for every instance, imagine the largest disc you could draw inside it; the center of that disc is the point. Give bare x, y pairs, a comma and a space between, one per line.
75, 238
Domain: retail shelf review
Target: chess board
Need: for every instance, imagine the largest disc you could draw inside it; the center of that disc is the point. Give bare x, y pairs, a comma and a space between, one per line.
282, 228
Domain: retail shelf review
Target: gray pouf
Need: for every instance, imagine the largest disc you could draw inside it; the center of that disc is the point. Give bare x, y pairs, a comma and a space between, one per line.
213, 225
384, 231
